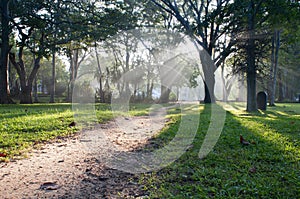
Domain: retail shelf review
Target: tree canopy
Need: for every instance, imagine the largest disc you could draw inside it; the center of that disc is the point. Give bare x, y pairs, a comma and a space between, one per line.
256, 39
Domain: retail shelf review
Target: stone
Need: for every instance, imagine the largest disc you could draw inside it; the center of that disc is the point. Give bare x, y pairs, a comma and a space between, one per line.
261, 100
49, 186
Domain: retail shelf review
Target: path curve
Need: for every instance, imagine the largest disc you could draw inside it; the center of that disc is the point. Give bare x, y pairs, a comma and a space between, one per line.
69, 168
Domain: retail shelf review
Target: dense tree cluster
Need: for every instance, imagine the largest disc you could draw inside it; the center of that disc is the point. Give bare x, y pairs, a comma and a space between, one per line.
258, 40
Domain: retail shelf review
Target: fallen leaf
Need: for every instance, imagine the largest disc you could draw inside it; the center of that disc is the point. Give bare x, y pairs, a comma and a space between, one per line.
3, 155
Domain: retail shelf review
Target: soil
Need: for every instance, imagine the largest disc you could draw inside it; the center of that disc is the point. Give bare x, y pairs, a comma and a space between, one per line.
74, 167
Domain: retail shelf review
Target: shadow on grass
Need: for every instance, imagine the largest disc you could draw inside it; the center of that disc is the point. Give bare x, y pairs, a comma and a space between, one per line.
278, 125
261, 170
266, 169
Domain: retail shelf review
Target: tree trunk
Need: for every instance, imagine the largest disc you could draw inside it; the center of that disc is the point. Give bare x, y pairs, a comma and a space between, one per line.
148, 87
209, 76
35, 86
25, 83
271, 92
4, 94
72, 76
280, 87
52, 86
75, 62
35, 91
277, 33
70, 85
25, 95
151, 90
274, 60
225, 96
177, 93
165, 93
251, 68
101, 93
42, 85
251, 91
209, 93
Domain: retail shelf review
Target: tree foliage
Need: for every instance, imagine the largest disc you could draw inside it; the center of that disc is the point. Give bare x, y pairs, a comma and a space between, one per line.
240, 31
45, 27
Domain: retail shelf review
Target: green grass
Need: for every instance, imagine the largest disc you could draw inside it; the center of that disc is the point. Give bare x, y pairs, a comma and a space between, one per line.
268, 169
24, 126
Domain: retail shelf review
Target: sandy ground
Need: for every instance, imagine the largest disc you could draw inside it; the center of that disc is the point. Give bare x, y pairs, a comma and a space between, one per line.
74, 167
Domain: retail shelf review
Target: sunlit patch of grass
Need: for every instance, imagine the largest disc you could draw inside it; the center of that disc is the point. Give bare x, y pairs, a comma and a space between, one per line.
267, 168
293, 107
274, 137
24, 126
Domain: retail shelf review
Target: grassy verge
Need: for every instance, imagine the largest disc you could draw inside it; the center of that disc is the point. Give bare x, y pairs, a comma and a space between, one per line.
268, 168
23, 126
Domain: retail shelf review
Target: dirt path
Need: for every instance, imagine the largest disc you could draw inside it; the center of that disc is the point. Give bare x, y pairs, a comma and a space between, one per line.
72, 168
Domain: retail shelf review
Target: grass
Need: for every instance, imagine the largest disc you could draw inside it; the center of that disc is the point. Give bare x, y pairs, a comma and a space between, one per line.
24, 126
270, 168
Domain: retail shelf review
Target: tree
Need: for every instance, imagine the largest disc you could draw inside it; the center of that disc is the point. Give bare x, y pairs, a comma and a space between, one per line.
274, 67
288, 70
206, 22
250, 51
101, 92
259, 19
101, 20
31, 27
26, 82
284, 20
76, 55
5, 48
44, 78
36, 22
